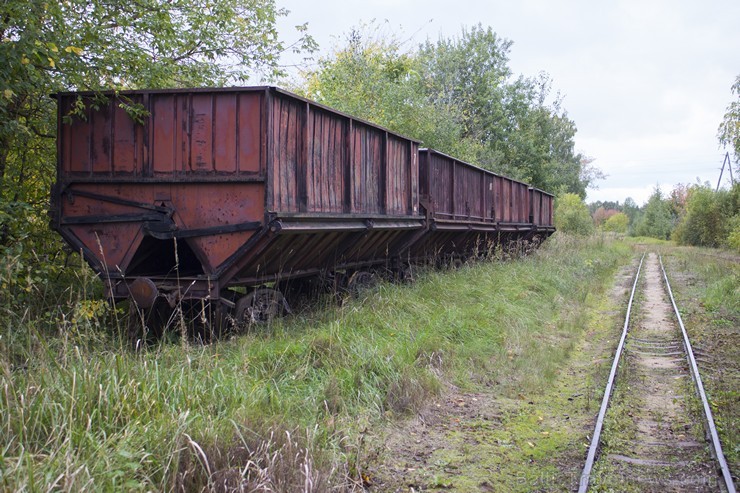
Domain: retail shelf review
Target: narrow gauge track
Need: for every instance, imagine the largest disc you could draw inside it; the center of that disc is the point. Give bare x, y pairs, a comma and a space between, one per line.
663, 450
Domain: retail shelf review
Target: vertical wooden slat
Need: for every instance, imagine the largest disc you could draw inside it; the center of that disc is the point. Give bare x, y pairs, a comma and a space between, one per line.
225, 133
348, 165
302, 164
383, 181
147, 137
266, 142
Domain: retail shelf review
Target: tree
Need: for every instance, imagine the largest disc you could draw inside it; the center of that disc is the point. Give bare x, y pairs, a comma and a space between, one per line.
571, 215
729, 130
601, 215
656, 220
518, 133
469, 73
371, 77
632, 210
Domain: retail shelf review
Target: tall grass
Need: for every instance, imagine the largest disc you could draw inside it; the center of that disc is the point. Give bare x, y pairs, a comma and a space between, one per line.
284, 406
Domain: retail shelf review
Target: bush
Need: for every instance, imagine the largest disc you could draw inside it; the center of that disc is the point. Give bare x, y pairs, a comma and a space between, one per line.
711, 218
571, 215
617, 223
733, 239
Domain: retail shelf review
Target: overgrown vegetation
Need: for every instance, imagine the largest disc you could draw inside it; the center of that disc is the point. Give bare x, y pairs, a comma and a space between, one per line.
571, 215
83, 412
712, 218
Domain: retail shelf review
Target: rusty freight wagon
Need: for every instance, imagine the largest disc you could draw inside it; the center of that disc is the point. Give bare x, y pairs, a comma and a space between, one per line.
216, 189
236, 196
470, 210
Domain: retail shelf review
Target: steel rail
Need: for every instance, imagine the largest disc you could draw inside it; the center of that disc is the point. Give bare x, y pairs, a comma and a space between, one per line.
591, 457
712, 429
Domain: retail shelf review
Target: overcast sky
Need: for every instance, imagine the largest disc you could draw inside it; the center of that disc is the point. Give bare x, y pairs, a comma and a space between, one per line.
646, 81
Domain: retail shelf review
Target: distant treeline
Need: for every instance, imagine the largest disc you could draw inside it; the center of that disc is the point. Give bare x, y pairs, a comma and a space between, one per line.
689, 214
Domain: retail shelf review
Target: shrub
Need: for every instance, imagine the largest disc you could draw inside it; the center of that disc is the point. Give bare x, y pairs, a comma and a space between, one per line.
733, 239
571, 215
617, 223
711, 218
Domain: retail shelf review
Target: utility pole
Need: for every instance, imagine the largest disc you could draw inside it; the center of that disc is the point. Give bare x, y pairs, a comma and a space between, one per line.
729, 166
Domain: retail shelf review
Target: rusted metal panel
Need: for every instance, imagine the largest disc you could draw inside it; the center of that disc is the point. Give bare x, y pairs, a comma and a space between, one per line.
124, 143
442, 181
402, 175
506, 200
326, 162
250, 134
520, 202
186, 133
163, 127
541, 208
535, 206
284, 146
490, 198
368, 160
469, 183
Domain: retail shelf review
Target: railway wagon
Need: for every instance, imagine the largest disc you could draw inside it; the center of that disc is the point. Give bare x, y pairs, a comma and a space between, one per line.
541, 208
470, 210
214, 189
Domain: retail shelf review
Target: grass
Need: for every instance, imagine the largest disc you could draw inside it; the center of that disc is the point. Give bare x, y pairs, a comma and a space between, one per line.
287, 405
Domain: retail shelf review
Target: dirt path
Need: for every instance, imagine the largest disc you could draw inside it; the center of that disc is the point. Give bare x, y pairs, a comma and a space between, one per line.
655, 439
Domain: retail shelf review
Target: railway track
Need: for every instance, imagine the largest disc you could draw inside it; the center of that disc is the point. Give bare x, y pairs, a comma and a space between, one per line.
658, 444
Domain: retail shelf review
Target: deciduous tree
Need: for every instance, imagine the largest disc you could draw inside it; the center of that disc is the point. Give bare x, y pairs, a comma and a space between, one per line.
729, 129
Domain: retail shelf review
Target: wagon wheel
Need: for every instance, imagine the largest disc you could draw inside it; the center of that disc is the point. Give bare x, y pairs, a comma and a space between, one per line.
406, 274
261, 305
360, 281
147, 324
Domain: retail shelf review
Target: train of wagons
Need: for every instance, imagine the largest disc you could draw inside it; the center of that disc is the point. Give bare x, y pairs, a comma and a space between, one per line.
239, 197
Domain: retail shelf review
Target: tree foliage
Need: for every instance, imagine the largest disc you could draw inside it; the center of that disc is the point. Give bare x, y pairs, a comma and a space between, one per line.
711, 217
656, 220
571, 215
372, 78
729, 130
601, 215
457, 95
617, 223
